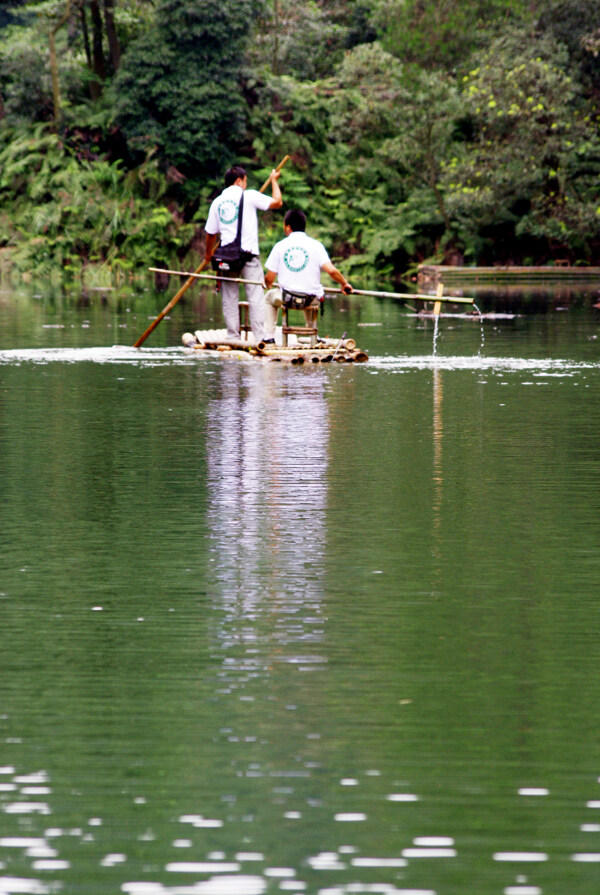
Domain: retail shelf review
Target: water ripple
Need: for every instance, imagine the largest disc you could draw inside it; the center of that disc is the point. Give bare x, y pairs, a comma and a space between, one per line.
548, 366
117, 354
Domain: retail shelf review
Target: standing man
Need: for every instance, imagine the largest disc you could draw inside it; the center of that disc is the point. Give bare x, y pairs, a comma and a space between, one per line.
297, 261
223, 222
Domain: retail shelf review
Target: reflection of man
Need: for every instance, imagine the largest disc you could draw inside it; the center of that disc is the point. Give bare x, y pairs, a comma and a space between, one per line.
223, 221
260, 524
297, 261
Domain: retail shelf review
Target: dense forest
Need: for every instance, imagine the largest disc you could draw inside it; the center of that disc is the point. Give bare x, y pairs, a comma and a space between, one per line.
448, 131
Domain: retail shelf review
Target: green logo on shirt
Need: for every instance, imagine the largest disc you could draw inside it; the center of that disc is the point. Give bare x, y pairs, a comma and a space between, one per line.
228, 211
295, 259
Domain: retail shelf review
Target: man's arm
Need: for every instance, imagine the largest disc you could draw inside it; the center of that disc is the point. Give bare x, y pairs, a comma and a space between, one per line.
338, 276
269, 278
211, 240
277, 201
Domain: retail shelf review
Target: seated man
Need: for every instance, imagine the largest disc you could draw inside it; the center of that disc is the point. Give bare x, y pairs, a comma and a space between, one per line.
297, 261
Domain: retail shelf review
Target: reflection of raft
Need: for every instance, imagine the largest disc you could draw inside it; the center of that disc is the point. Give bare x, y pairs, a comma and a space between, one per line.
298, 350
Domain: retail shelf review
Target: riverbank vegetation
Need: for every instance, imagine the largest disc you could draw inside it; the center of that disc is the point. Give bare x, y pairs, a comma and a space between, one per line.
462, 132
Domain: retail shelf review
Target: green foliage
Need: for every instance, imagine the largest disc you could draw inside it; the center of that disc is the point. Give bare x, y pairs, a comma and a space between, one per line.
24, 78
575, 23
434, 34
7, 12
354, 16
132, 18
373, 186
178, 87
366, 95
438, 138
24, 64
58, 210
298, 39
523, 174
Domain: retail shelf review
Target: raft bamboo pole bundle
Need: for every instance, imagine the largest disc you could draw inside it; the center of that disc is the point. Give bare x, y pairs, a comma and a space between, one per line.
230, 343
325, 345
345, 352
454, 299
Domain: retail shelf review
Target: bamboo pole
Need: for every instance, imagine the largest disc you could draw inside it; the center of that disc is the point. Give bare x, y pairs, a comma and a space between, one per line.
339, 345
283, 161
454, 299
230, 343
191, 277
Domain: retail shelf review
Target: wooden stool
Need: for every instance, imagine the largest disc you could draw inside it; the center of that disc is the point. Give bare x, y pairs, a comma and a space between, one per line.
311, 331
245, 327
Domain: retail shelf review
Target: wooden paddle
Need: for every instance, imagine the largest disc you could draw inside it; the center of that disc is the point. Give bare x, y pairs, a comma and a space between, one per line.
191, 277
453, 299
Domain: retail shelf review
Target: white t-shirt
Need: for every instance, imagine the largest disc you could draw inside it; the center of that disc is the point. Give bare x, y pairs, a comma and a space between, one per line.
223, 216
297, 260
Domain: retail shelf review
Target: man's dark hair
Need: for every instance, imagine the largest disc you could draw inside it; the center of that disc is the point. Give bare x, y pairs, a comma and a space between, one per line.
232, 174
295, 219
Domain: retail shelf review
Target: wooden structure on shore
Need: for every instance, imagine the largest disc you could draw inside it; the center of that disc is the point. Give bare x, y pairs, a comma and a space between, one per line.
559, 273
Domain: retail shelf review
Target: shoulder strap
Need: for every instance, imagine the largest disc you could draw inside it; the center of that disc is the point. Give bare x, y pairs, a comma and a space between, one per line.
238, 236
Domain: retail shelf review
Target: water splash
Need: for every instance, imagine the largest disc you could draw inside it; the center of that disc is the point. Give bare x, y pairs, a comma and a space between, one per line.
436, 332
482, 345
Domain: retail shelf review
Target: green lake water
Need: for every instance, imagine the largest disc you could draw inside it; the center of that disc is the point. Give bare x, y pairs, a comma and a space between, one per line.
325, 629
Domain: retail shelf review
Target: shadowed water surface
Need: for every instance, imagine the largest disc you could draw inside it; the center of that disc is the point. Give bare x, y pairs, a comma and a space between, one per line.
327, 629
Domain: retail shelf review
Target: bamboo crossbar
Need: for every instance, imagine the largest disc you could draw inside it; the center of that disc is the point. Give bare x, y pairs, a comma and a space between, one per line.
454, 299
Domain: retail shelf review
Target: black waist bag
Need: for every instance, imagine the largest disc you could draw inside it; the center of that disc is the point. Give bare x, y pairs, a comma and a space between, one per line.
230, 258
299, 300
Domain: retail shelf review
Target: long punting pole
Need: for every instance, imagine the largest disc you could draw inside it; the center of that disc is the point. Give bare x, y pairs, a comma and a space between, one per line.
418, 295
191, 276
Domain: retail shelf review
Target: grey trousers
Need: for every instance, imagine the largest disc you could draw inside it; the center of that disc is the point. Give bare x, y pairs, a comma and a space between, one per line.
252, 270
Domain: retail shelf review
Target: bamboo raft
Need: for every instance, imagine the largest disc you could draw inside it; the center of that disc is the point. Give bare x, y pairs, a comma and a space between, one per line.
294, 349
298, 351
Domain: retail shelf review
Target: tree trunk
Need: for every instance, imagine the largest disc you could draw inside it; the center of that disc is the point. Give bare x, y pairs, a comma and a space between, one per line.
432, 168
99, 63
275, 65
114, 47
86, 35
54, 62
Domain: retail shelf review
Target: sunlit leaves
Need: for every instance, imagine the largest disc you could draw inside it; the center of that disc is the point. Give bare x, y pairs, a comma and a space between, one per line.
528, 124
